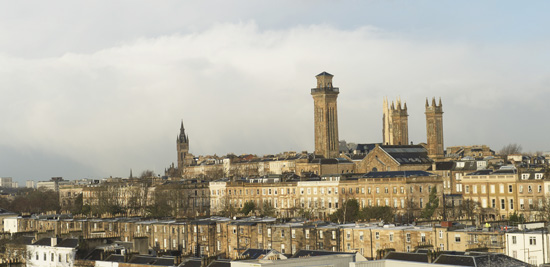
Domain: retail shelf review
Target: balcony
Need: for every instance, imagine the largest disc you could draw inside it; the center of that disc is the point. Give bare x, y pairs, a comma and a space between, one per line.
325, 90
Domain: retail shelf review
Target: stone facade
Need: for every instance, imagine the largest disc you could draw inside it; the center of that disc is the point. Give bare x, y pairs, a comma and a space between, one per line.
434, 129
326, 116
396, 125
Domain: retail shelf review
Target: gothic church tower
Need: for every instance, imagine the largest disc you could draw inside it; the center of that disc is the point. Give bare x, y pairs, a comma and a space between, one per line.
182, 142
434, 129
396, 123
326, 116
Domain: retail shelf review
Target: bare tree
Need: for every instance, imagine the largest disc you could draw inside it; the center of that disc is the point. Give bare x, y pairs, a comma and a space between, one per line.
510, 149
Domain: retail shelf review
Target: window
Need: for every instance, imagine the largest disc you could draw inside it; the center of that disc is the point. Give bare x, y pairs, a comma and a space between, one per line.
307, 234
268, 232
420, 189
501, 187
493, 203
529, 189
514, 240
483, 191
321, 234
402, 190
457, 238
391, 237
532, 241
511, 204
361, 236
521, 188
440, 234
539, 188
386, 189
395, 190
37, 257
369, 190
467, 189
293, 233
422, 237
510, 188
475, 189
408, 238
333, 235
377, 190
502, 204
492, 189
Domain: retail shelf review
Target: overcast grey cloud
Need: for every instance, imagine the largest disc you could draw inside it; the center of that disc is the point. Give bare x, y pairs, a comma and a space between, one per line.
100, 87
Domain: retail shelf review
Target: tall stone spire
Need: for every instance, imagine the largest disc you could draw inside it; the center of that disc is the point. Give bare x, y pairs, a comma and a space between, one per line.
182, 146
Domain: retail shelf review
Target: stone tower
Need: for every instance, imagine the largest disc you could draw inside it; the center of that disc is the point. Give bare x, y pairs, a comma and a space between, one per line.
326, 116
182, 142
396, 123
434, 129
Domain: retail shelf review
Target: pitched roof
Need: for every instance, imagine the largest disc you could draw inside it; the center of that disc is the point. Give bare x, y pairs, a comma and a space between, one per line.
393, 174
254, 253
480, 260
404, 256
407, 154
313, 253
68, 243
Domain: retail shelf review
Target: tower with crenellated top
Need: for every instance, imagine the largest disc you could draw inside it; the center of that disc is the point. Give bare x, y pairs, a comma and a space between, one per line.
434, 129
395, 123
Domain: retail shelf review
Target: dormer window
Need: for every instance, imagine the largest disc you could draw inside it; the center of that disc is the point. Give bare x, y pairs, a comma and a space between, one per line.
524, 176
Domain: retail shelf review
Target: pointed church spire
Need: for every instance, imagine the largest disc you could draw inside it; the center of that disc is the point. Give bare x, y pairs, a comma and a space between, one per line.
440, 102
433, 102
405, 106
131, 176
182, 137
427, 102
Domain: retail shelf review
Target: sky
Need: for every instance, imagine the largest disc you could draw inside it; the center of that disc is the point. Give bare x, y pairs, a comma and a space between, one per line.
92, 89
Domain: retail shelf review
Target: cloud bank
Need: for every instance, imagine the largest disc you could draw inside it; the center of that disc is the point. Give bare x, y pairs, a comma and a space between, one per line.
243, 89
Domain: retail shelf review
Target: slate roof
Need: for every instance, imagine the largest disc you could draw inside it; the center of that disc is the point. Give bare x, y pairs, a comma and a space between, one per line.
191, 263
45, 242
255, 253
68, 243
153, 261
480, 260
404, 256
220, 263
313, 253
393, 174
324, 73
115, 258
443, 166
407, 154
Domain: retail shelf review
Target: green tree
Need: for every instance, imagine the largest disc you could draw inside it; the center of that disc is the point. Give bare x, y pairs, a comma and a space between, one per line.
248, 207
268, 210
432, 205
76, 206
383, 213
349, 212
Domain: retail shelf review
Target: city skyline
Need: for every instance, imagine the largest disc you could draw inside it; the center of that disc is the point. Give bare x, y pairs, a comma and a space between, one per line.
95, 90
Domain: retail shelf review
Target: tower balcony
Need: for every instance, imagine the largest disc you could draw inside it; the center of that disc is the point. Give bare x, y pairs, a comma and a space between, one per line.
325, 90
